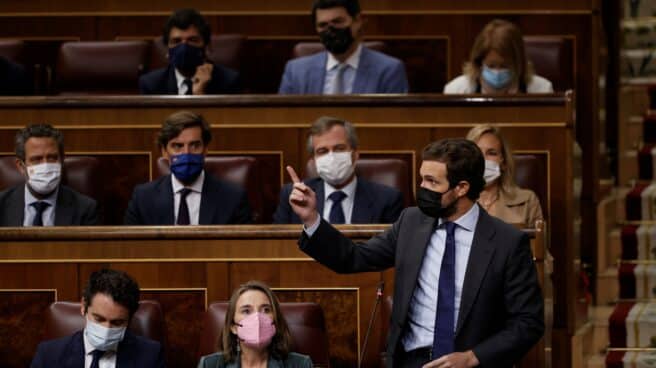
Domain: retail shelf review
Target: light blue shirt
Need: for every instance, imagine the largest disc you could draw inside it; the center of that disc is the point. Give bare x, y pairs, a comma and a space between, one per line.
423, 305
332, 66
30, 212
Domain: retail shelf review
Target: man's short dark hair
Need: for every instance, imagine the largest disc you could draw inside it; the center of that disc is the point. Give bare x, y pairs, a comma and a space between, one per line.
183, 19
117, 284
179, 121
40, 131
352, 7
464, 162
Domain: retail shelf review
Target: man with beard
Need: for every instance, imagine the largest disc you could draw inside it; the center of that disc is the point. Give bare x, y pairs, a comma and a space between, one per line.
187, 37
347, 66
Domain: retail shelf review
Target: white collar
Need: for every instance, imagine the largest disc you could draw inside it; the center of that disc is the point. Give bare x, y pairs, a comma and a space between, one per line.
468, 220
51, 199
179, 78
353, 61
348, 189
196, 186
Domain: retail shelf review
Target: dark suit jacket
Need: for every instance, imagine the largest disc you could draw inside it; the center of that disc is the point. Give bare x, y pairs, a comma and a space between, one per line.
162, 82
373, 204
72, 208
14, 80
68, 352
221, 203
501, 309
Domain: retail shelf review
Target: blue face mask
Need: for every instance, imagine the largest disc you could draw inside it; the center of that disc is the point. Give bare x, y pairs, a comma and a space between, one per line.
187, 166
497, 78
186, 58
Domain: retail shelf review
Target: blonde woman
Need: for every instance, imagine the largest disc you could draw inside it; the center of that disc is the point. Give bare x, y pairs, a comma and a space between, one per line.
498, 65
501, 196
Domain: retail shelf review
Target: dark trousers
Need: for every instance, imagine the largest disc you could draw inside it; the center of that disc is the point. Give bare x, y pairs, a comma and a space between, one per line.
412, 359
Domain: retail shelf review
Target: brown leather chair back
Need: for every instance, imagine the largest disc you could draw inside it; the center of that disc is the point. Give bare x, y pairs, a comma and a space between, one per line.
552, 58
392, 172
81, 173
100, 67
64, 318
310, 48
531, 173
225, 49
306, 325
239, 170
12, 50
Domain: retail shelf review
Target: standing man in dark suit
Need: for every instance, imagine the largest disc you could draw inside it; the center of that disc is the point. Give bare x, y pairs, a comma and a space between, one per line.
189, 195
466, 292
342, 197
109, 301
42, 200
187, 36
347, 66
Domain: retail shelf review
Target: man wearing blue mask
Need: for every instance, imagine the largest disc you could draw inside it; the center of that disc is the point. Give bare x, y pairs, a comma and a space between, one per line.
109, 301
187, 36
189, 195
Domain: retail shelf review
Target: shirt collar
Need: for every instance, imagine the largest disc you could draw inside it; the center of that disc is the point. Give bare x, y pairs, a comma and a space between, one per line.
51, 199
196, 186
179, 78
468, 220
349, 189
353, 61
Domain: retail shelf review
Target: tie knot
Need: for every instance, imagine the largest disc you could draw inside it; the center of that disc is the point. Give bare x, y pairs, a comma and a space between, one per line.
97, 354
337, 196
40, 206
184, 192
450, 227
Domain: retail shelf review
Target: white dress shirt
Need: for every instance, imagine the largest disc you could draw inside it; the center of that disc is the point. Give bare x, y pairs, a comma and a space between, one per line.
193, 198
29, 211
108, 360
423, 305
179, 80
347, 202
332, 66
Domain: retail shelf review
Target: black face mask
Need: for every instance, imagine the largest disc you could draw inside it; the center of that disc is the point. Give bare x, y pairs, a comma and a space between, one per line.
430, 203
337, 40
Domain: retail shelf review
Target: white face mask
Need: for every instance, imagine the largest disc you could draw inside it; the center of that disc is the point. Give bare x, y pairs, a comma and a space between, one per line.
492, 171
103, 338
335, 167
44, 178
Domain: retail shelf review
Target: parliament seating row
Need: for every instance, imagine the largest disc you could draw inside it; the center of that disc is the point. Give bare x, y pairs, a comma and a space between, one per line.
305, 321
84, 174
113, 67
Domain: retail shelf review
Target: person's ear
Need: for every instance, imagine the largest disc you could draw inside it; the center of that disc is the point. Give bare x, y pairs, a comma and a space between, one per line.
355, 156
21, 167
165, 154
462, 189
82, 311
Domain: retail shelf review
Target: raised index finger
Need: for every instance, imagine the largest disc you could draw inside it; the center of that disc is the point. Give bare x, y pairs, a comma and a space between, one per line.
292, 174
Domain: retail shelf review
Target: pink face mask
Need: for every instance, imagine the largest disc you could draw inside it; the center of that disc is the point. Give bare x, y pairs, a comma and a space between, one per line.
256, 330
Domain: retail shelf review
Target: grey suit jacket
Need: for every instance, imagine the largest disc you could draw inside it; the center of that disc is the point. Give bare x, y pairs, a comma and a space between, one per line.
72, 208
501, 310
293, 361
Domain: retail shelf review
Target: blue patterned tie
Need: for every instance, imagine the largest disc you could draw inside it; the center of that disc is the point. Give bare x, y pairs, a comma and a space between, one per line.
443, 335
97, 354
336, 212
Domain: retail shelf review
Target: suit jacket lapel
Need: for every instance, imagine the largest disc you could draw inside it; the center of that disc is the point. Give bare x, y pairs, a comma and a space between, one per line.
363, 72
480, 255
171, 81
125, 354
16, 207
317, 75
361, 205
320, 193
64, 208
209, 202
164, 201
74, 355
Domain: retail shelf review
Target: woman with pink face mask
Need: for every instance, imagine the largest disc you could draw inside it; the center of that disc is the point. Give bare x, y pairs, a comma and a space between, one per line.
255, 333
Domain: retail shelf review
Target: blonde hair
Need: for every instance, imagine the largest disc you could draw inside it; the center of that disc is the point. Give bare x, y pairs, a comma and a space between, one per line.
506, 39
507, 178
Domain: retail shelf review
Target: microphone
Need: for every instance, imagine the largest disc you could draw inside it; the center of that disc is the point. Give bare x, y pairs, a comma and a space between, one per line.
379, 296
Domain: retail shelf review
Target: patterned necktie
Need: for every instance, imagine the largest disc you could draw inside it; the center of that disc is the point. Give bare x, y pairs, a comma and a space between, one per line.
40, 207
97, 354
183, 209
340, 88
190, 85
336, 212
443, 335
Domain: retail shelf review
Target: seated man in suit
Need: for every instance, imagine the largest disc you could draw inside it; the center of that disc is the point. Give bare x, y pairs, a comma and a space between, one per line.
42, 200
14, 80
189, 195
342, 197
187, 36
348, 66
109, 301
466, 291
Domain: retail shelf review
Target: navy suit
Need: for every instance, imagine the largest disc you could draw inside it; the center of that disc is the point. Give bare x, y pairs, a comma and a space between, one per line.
68, 352
163, 82
72, 207
373, 203
376, 73
221, 203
